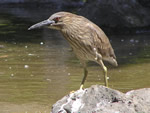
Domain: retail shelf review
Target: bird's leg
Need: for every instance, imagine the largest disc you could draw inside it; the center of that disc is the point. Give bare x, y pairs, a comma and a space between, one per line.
105, 72
85, 75
98, 56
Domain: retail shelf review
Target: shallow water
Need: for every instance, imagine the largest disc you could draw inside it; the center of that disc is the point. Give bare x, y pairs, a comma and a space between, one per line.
37, 67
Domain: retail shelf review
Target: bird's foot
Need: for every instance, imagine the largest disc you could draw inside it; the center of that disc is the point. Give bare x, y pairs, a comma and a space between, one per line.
71, 92
81, 87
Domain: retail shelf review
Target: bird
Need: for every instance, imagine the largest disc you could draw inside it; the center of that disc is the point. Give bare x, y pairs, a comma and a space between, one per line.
88, 41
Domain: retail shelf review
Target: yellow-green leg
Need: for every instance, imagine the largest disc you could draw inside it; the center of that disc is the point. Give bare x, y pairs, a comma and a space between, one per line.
105, 72
85, 75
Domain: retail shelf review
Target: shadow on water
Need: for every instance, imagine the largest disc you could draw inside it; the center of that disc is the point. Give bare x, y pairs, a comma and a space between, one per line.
37, 68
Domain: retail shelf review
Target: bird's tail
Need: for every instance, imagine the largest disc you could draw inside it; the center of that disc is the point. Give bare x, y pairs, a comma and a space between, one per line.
112, 61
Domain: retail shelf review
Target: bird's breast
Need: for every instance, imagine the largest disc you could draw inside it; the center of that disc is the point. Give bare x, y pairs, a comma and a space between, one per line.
82, 47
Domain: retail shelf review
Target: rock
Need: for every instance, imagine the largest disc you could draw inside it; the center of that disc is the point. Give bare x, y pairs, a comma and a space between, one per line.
100, 99
141, 99
105, 13
118, 13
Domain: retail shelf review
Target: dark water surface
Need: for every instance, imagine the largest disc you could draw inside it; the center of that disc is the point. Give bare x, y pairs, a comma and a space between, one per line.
37, 67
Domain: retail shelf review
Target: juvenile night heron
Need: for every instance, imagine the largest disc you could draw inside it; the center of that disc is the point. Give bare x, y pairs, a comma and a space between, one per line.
87, 40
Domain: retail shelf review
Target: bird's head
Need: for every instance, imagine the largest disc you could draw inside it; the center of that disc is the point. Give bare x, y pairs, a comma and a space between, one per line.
55, 21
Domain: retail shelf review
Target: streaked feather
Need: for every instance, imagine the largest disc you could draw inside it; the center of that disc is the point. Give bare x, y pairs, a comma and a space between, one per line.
84, 36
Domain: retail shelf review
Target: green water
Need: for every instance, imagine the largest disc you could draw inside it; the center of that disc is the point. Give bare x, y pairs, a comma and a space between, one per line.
37, 67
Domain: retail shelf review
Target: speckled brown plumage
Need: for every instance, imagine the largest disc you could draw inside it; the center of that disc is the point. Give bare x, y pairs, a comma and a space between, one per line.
87, 40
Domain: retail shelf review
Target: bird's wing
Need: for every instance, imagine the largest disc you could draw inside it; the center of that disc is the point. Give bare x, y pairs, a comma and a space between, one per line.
101, 42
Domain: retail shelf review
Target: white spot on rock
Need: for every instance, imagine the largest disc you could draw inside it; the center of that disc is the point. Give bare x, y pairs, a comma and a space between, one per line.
76, 105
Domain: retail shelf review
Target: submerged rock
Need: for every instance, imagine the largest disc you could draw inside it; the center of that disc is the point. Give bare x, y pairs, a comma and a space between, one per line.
100, 99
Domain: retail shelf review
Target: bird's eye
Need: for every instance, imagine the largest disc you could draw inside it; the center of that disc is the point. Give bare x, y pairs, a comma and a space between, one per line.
56, 19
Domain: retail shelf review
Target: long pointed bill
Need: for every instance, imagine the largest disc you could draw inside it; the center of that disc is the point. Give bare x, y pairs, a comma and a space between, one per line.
41, 24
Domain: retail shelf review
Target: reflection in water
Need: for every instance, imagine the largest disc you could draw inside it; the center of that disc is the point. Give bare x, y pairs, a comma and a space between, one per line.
38, 67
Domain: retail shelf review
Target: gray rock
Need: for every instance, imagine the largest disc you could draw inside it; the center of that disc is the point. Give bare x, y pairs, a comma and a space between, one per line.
118, 13
100, 99
141, 99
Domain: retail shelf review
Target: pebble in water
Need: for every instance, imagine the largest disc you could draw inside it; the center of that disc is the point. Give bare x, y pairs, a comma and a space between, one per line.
132, 40
42, 43
122, 40
12, 74
30, 54
26, 46
130, 53
136, 41
26, 66
48, 79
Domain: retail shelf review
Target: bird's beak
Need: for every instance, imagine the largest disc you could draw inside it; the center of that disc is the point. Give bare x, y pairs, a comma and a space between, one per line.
41, 24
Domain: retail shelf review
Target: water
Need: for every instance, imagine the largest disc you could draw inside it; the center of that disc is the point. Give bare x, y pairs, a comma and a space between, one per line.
37, 67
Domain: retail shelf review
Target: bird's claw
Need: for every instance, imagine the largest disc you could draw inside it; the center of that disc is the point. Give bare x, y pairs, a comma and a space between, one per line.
71, 92
81, 87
